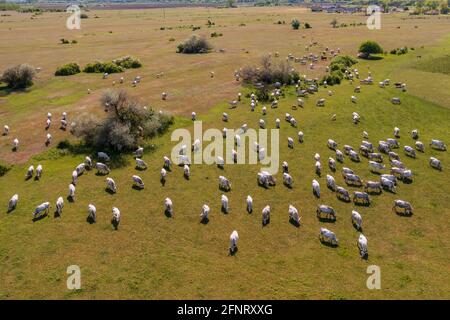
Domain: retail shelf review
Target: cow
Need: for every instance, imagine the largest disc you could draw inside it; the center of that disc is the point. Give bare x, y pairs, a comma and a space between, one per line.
435, 163
332, 164
204, 214
41, 210
300, 137
318, 168
115, 218
59, 206
327, 236
137, 182
140, 164
249, 204
102, 168
362, 246
224, 184
410, 152
294, 217
384, 147
347, 149
234, 237
376, 167
438, 145
168, 207
316, 188
331, 183
415, 134
419, 146
396, 132
354, 156
225, 202
266, 215
356, 220
373, 186
71, 195
92, 213
342, 194
352, 180
332, 144
402, 207
393, 143
287, 180
375, 157
330, 213
12, 204
339, 156
103, 156
361, 197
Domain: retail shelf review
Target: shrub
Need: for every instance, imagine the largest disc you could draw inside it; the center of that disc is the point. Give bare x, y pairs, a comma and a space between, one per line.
84, 16
334, 78
126, 124
295, 24
19, 77
128, 62
4, 169
64, 41
307, 25
102, 67
74, 41
68, 69
216, 34
369, 47
194, 45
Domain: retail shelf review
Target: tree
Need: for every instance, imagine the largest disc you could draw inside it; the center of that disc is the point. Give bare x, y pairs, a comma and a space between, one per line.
295, 24
19, 77
231, 3
369, 47
334, 22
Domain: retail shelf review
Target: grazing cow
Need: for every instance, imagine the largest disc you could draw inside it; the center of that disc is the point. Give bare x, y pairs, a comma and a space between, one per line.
115, 218
438, 145
234, 155
220, 162
167, 163
193, 116
48, 139
365, 135
393, 155
316, 188
320, 103
225, 117
393, 143
244, 128
396, 132
12, 204
204, 214
294, 217
182, 150
266, 215
373, 186
5, 130
293, 122
63, 124
415, 134
30, 172
225, 204
186, 171
42, 208
234, 237
402, 207
224, 133
15, 144
354, 156
327, 236
347, 149
71, 195
237, 140
356, 220
409, 151
249, 204
388, 185
277, 123
362, 197
376, 167
300, 103
332, 144
318, 168
384, 147
375, 157
103, 156
435, 163
262, 124
80, 169
168, 207
265, 179
111, 185
395, 100
329, 212
74, 177
317, 157
331, 183
367, 145
290, 143
92, 213
287, 180
354, 99
88, 163
38, 172
196, 146
48, 122
137, 182
356, 118
342, 194
59, 206
362, 246
352, 180
285, 167
139, 152
264, 111
164, 96
140, 164
224, 184
102, 168
346, 171
419, 146
397, 163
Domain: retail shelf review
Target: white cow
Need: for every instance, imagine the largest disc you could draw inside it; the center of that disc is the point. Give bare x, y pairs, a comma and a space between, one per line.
316, 188
262, 124
167, 163
419, 146
290, 142
327, 210
332, 144
30, 172
300, 136
435, 163
388, 184
103, 156
13, 202
332, 164
339, 156
318, 168
115, 217
80, 169
356, 220
139, 152
293, 215
48, 139
205, 212
287, 180
71, 192
396, 132
220, 162
438, 144
43, 207
59, 205
140, 164
234, 237
376, 167
5, 130
168, 207
285, 167
410, 152
111, 185
186, 171
225, 202
266, 215
38, 172
224, 184
249, 204
15, 144
331, 183
92, 213
193, 116
362, 246
137, 181
88, 162
102, 168
401, 206
327, 236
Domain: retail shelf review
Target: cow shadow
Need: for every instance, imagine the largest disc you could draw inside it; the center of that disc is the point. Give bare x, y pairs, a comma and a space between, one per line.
329, 244
361, 204
233, 251
28, 178
294, 223
90, 220
140, 168
40, 217
56, 214
204, 221
326, 219
70, 199
109, 191
135, 187
168, 214
265, 223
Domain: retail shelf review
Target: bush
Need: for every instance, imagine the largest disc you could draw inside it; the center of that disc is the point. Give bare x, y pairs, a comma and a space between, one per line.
68, 69
64, 41
4, 169
216, 34
334, 78
307, 25
126, 124
84, 16
102, 67
268, 73
337, 68
369, 47
194, 45
19, 77
295, 24
128, 62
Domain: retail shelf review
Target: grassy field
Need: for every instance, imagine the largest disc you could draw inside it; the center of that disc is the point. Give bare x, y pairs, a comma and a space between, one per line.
154, 257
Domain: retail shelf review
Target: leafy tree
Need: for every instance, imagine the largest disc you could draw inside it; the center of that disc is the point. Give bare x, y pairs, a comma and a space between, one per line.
369, 47
334, 22
295, 24
19, 77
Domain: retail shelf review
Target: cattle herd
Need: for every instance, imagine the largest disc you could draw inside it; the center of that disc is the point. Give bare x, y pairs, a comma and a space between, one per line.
376, 156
